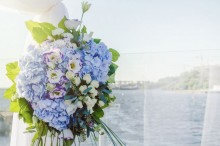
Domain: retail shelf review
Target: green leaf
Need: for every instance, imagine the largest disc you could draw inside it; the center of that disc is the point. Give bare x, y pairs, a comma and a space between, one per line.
112, 69
84, 29
62, 24
69, 142
39, 34
98, 112
12, 70
14, 106
25, 110
10, 92
40, 31
115, 54
102, 97
97, 41
68, 97
87, 90
111, 79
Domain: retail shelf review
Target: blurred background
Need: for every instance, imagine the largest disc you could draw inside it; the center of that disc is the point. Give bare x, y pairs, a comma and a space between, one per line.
170, 61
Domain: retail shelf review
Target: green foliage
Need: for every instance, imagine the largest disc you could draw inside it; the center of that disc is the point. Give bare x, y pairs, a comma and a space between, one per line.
10, 92
115, 54
40, 31
62, 24
97, 41
111, 78
14, 106
12, 70
87, 90
25, 110
98, 112
113, 67
84, 29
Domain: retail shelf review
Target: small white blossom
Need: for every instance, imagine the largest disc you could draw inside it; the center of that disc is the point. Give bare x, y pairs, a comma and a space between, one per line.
77, 81
101, 103
74, 45
82, 88
67, 35
71, 109
70, 75
85, 6
94, 94
79, 104
74, 65
66, 134
57, 31
87, 37
72, 24
87, 78
95, 84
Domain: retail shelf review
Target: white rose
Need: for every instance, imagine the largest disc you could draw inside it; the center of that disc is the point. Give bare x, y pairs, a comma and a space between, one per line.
72, 24
101, 103
70, 75
77, 81
82, 88
79, 104
67, 35
57, 31
66, 134
87, 78
95, 84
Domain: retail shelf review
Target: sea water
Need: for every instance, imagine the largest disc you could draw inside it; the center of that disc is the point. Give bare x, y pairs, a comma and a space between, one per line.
149, 118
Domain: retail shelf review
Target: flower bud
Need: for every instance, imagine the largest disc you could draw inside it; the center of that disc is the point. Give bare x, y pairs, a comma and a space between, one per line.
87, 78
95, 83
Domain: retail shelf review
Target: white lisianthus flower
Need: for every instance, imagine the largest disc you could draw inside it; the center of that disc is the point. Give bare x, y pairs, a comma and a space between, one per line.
67, 35
95, 83
54, 76
79, 104
70, 75
57, 31
77, 81
90, 103
72, 24
82, 88
66, 134
74, 65
87, 37
101, 103
71, 109
87, 78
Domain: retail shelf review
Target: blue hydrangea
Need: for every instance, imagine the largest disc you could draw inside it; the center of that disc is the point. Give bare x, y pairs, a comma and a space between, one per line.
53, 112
31, 82
96, 61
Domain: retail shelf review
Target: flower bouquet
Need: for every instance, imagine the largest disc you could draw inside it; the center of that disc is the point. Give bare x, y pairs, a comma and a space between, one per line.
62, 83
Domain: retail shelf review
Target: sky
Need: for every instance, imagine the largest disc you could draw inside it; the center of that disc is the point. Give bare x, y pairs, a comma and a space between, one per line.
156, 38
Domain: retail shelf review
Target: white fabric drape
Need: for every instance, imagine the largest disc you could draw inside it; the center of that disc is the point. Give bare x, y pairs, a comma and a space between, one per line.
44, 11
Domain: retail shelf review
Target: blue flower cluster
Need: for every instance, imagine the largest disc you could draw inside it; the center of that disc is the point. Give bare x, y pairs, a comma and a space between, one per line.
31, 82
96, 61
53, 112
